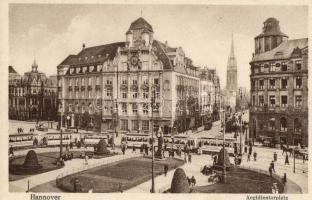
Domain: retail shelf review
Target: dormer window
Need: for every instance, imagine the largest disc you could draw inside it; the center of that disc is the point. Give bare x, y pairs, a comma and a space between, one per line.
298, 65
284, 66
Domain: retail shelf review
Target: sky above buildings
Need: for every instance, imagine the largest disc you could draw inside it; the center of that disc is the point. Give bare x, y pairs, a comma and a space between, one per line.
52, 32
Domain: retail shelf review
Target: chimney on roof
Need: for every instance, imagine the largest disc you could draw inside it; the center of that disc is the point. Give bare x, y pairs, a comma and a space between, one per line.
83, 46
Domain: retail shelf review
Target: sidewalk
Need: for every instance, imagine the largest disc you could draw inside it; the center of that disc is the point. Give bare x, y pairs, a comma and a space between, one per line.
162, 182
264, 158
71, 167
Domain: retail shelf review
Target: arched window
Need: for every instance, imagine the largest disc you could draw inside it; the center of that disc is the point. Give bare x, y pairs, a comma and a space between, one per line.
297, 125
283, 124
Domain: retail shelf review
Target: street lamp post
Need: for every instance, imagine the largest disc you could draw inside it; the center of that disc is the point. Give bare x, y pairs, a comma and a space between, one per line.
61, 143
294, 160
224, 166
153, 156
68, 118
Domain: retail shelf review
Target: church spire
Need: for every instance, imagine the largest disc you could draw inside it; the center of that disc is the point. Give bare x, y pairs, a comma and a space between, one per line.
232, 47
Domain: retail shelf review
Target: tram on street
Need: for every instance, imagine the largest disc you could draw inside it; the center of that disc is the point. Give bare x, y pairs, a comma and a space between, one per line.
21, 139
91, 139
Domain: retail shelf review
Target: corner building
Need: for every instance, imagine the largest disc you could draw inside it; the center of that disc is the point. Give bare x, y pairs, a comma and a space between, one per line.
279, 87
110, 87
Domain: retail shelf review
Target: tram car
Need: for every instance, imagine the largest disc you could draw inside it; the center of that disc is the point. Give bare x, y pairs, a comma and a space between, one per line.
54, 139
92, 139
21, 139
135, 140
213, 145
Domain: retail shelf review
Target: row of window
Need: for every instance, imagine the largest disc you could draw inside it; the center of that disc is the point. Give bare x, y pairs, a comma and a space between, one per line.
272, 101
145, 109
275, 67
23, 91
134, 125
272, 83
109, 81
271, 125
109, 94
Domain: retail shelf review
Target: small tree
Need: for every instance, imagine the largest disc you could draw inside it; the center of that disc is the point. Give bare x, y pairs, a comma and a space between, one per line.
179, 182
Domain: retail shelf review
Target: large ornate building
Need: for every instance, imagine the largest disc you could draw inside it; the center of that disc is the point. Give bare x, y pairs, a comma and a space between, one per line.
231, 80
32, 96
279, 87
112, 87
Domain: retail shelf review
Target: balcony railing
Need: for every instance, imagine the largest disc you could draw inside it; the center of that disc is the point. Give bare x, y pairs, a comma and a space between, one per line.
97, 87
70, 88
89, 87
83, 88
76, 88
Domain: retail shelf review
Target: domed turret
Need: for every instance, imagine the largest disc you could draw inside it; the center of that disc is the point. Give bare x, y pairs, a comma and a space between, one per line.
34, 66
270, 37
140, 33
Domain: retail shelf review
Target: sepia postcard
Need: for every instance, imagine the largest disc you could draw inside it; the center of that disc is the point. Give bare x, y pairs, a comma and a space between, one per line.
135, 99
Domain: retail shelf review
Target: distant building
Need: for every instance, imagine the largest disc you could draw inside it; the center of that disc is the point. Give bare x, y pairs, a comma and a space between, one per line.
209, 92
231, 81
110, 88
242, 99
279, 87
32, 96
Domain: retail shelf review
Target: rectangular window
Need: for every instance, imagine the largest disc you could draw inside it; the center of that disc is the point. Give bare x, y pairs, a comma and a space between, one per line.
135, 95
298, 84
284, 101
253, 100
134, 125
134, 108
272, 83
145, 80
156, 108
298, 101
145, 125
124, 124
261, 84
284, 83
134, 82
145, 108
124, 107
89, 81
156, 81
124, 82
261, 100
124, 94
109, 93
272, 100
145, 94
109, 82
298, 65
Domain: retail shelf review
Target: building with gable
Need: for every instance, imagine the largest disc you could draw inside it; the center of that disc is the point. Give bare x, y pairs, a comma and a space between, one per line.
32, 96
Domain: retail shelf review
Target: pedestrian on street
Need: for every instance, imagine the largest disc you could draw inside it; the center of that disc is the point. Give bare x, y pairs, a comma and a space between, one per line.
215, 160
165, 169
270, 171
303, 158
193, 181
248, 157
245, 149
255, 156
250, 149
286, 159
189, 158
133, 149
275, 156
86, 159
274, 188
272, 166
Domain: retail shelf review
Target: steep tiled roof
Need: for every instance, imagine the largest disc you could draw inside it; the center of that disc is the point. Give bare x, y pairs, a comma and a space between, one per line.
94, 54
161, 54
283, 51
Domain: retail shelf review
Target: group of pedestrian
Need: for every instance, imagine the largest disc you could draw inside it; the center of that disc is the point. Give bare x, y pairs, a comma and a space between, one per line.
32, 130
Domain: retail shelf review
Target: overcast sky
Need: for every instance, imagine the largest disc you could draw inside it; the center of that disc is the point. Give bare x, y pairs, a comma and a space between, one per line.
52, 32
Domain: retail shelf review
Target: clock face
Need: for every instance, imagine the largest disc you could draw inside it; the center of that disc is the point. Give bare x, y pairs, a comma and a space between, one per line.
134, 60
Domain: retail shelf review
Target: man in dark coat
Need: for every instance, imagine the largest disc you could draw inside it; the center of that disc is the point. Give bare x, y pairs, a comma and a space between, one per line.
286, 160
165, 169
